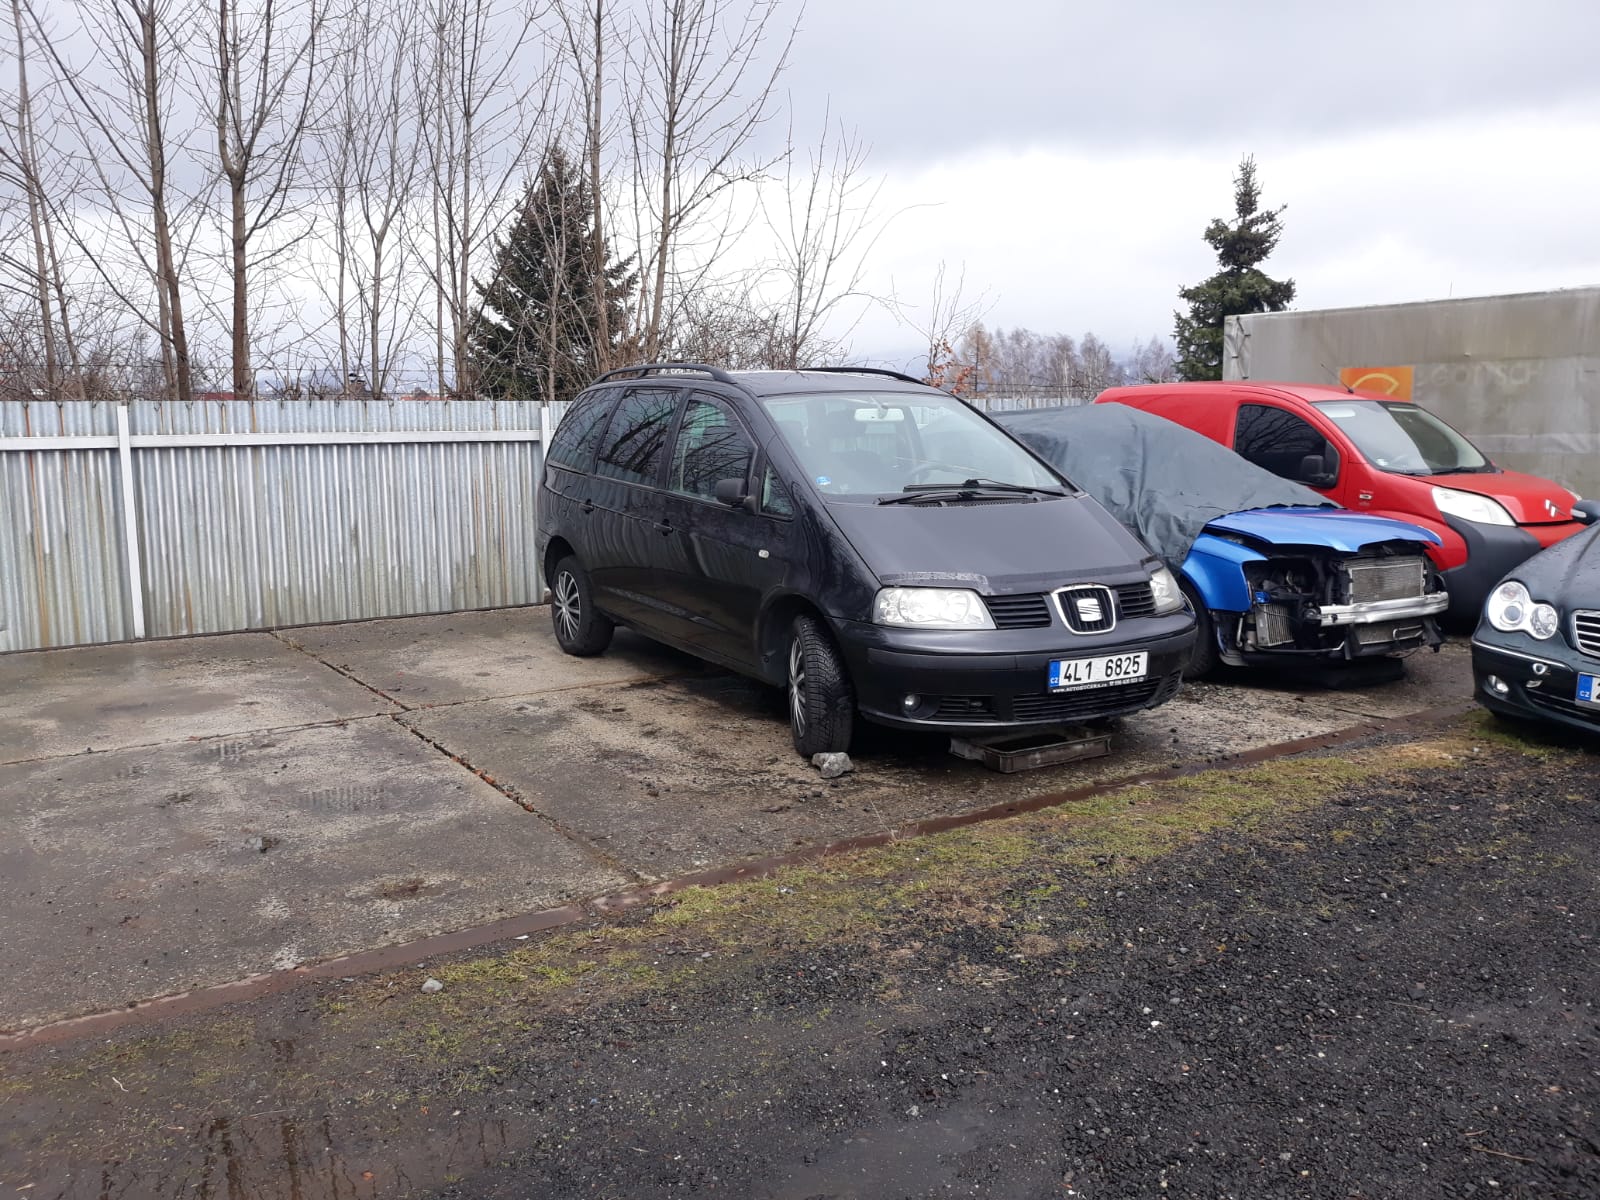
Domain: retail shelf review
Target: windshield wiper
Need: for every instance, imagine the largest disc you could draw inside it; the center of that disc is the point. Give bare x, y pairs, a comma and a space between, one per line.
979, 485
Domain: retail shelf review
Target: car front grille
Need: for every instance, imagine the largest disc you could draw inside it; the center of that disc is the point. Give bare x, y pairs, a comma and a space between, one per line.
1387, 579
1540, 698
1066, 708
1135, 600
1018, 612
1586, 633
1032, 610
1075, 706
1087, 608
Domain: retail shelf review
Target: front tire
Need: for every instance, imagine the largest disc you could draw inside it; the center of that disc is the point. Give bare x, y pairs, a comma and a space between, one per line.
581, 629
822, 705
1203, 659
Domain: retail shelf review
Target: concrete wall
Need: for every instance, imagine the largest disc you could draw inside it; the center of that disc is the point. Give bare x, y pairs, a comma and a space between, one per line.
1519, 375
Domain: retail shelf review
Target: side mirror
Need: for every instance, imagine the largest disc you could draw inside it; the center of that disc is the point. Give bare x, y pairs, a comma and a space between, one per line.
1314, 470
731, 492
1587, 511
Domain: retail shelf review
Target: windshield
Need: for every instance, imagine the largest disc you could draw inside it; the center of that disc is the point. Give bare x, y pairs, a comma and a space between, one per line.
1395, 435
882, 443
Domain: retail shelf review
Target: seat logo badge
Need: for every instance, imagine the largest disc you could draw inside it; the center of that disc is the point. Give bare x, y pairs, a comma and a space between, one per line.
1552, 508
1089, 609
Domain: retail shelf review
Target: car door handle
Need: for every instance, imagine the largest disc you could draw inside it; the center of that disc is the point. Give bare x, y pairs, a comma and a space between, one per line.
663, 527
588, 507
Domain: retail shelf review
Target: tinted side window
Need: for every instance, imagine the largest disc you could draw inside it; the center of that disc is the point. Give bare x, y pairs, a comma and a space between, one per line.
1279, 440
711, 446
637, 440
774, 497
572, 444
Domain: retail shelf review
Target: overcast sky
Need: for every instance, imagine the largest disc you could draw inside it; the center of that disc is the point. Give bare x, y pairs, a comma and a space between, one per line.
1069, 154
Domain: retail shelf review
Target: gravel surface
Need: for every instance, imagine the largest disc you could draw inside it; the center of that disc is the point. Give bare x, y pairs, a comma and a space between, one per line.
1370, 975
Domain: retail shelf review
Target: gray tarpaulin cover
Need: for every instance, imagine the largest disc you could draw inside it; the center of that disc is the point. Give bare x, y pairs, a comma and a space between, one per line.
1161, 480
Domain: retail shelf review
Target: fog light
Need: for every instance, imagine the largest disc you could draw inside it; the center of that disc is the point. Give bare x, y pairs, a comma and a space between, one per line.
912, 700
1498, 686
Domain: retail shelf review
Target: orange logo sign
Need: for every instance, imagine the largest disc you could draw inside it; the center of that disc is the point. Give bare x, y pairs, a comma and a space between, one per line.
1386, 381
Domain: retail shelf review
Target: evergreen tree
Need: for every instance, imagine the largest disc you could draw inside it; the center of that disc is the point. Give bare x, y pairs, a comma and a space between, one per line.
1239, 286
537, 334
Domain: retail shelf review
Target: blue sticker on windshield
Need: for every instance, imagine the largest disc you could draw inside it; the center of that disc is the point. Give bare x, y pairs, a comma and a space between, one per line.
823, 481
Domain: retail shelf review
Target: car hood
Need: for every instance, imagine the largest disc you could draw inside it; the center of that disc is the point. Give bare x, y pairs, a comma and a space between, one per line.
1345, 532
1529, 499
1567, 574
996, 549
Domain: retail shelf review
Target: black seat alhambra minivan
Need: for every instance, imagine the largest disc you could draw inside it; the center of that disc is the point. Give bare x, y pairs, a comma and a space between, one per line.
871, 543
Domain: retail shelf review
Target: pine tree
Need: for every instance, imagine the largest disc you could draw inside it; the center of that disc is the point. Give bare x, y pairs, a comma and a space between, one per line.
1239, 286
537, 335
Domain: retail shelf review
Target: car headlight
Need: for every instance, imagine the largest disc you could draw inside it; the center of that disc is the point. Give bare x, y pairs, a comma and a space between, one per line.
1164, 587
1511, 608
1470, 506
930, 608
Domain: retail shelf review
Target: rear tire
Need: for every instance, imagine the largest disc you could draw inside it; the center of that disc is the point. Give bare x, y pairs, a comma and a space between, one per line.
581, 629
1203, 659
821, 702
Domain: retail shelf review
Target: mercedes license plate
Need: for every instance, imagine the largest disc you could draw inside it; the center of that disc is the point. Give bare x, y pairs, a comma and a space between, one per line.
1589, 689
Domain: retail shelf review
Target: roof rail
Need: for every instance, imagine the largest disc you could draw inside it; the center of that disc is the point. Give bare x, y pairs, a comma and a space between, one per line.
869, 371
644, 369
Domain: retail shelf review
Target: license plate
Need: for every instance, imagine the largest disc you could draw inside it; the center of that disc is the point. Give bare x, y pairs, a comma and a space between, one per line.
1589, 689
1076, 674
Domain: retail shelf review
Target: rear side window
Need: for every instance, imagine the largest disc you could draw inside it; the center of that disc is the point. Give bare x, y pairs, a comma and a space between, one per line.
637, 439
1279, 440
573, 443
711, 446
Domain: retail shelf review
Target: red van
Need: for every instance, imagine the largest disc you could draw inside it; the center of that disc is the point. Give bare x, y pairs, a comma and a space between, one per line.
1390, 457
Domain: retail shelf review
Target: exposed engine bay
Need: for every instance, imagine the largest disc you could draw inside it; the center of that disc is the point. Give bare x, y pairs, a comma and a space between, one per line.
1314, 601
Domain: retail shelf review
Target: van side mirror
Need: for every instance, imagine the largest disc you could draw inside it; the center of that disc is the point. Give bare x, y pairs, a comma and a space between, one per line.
1587, 511
1314, 470
731, 492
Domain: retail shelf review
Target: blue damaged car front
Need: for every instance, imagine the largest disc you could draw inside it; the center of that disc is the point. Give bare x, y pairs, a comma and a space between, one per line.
1275, 573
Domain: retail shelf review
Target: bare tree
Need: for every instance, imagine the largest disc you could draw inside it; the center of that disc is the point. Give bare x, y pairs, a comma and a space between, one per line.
940, 323
823, 227
123, 113
261, 82
481, 119
1152, 362
701, 86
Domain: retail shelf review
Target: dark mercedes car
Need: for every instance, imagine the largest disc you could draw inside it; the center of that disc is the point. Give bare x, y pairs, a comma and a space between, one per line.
1536, 652
797, 527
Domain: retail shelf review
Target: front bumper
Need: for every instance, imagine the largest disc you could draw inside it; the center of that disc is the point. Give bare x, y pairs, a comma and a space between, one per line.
1371, 612
1538, 684
979, 683
1493, 552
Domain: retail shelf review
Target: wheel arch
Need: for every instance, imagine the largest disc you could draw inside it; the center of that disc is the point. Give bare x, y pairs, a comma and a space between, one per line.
772, 633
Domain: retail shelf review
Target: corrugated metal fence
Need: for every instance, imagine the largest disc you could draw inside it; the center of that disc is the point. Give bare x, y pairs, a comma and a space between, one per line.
255, 514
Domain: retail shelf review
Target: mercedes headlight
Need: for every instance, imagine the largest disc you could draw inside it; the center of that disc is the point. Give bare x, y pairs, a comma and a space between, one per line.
1470, 506
930, 608
1164, 587
1511, 608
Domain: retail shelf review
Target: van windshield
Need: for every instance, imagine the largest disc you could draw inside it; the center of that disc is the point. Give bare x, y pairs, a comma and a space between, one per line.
883, 443
1396, 435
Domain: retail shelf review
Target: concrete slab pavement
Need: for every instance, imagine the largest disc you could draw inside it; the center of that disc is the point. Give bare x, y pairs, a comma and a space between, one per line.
55, 702
263, 803
143, 872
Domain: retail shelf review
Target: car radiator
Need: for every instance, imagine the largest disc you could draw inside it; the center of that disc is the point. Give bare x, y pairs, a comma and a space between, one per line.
1387, 579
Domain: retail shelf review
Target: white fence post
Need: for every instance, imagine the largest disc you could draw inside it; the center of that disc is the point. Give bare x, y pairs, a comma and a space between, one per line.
130, 523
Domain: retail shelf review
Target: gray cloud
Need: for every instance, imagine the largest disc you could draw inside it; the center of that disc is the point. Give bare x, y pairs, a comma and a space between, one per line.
939, 77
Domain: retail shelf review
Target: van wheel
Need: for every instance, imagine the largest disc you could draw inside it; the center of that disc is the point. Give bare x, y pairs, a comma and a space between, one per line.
581, 629
821, 704
1203, 659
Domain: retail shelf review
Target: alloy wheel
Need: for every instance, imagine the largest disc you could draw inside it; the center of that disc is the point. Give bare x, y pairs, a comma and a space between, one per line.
797, 687
569, 605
